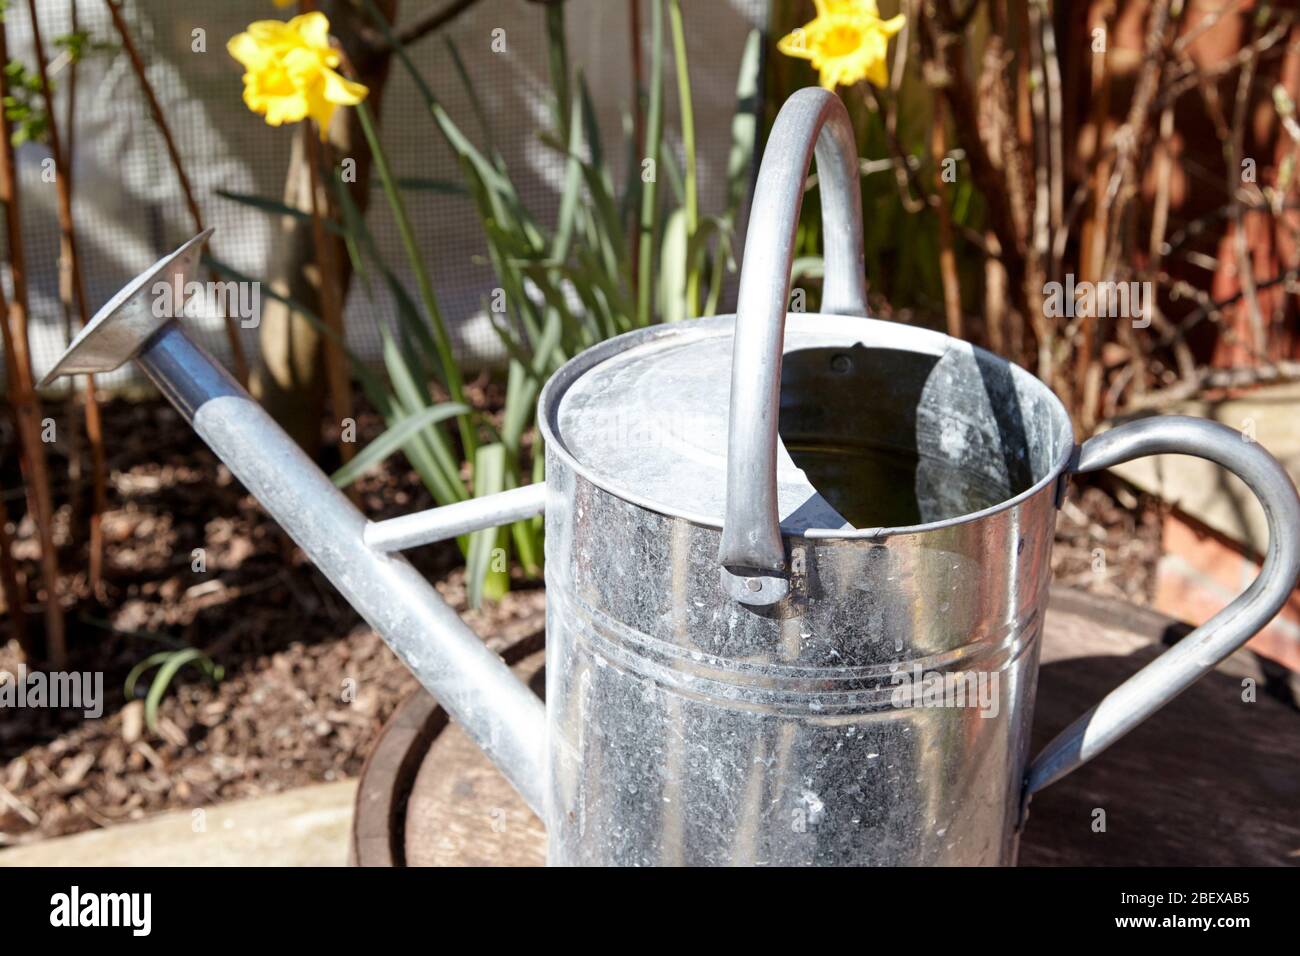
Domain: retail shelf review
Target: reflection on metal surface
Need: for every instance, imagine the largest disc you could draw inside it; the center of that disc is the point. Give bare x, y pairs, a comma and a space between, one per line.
780, 732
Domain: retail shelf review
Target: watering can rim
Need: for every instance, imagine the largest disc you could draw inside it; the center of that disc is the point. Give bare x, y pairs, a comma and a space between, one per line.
902, 337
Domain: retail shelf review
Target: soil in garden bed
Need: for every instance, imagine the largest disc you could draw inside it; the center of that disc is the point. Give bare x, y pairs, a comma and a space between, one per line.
307, 685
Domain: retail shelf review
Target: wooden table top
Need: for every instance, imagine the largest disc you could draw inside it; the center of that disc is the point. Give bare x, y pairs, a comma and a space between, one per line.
1209, 780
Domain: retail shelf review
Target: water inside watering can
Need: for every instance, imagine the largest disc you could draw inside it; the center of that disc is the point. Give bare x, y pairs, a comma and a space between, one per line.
873, 487
892, 438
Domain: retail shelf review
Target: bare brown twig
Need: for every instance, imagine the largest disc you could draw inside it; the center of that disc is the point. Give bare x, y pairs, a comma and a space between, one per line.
904, 175
944, 51
1216, 378
1129, 182
376, 45
22, 391
1235, 148
1056, 149
1193, 74
433, 22
948, 274
1131, 138
178, 165
1159, 224
11, 583
68, 259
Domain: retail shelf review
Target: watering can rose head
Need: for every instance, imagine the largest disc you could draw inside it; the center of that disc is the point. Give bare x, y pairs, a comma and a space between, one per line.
847, 42
289, 71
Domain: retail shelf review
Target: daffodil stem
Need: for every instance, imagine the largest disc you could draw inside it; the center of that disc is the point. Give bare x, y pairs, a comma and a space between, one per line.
649, 186
441, 340
688, 146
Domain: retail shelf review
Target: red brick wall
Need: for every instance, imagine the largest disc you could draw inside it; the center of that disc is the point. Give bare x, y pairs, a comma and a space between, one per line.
1202, 572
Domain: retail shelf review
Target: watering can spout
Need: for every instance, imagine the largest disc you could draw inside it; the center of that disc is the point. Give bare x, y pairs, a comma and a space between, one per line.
473, 684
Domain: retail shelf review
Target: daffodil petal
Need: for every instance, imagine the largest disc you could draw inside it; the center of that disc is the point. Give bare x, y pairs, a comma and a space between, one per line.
245, 49
878, 74
893, 25
269, 32
342, 91
795, 44
864, 7
314, 28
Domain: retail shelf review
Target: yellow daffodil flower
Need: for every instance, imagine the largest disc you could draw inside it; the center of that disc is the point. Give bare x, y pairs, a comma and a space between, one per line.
289, 71
847, 42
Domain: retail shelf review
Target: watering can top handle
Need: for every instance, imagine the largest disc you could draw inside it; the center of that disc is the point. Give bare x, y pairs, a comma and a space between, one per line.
812, 121
1195, 655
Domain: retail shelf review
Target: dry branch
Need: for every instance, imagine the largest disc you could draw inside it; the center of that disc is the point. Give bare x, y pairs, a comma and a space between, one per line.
22, 391
178, 165
1217, 378
944, 51
68, 259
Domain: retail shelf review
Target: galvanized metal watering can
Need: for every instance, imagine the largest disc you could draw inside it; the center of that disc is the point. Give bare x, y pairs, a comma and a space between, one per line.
796, 565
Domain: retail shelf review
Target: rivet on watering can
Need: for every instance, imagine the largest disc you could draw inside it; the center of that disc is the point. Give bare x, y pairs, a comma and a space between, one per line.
753, 584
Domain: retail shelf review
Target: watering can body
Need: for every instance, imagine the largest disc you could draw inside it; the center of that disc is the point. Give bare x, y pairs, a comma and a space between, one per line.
878, 714
796, 565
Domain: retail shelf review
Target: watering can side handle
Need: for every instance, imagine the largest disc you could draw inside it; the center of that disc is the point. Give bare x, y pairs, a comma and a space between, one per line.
813, 121
1195, 655
451, 521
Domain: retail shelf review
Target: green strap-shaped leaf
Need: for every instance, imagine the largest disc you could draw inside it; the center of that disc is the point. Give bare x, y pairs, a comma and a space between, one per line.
158, 686
424, 184
170, 663
276, 207
489, 478
744, 125
394, 438
673, 267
